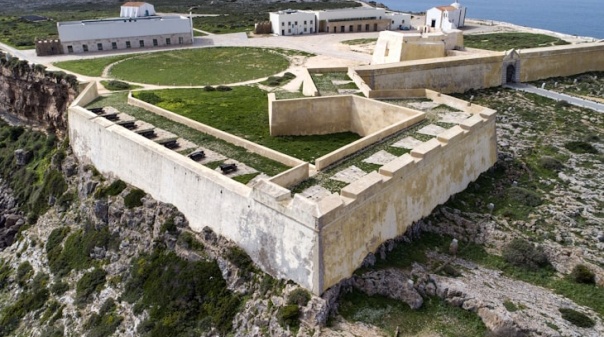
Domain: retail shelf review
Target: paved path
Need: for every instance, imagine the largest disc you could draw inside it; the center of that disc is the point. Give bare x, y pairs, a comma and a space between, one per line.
558, 96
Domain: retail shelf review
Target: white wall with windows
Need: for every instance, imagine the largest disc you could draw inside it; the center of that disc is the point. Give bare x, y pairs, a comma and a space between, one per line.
292, 22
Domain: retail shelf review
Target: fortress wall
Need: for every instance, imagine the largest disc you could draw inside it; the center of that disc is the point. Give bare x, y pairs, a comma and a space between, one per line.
310, 116
381, 206
347, 150
360, 83
397, 94
246, 144
87, 95
369, 116
541, 63
292, 177
447, 75
278, 232
456, 103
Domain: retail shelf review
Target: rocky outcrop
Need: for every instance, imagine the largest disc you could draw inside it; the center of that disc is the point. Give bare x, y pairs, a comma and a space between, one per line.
11, 218
31, 95
392, 283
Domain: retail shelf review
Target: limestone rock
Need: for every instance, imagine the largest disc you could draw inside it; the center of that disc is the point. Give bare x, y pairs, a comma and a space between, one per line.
392, 283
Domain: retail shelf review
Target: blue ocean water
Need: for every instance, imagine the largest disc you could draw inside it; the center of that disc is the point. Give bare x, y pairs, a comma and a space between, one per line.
575, 17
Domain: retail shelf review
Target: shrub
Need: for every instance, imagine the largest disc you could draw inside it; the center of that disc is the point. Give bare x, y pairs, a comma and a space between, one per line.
28, 301
115, 188
550, 163
510, 306
451, 271
24, 272
105, 322
117, 85
59, 288
239, 258
15, 132
209, 88
524, 196
288, 316
5, 271
89, 284
582, 274
522, 253
299, 296
187, 240
149, 97
562, 104
580, 147
577, 318
134, 198
55, 238
169, 226
223, 88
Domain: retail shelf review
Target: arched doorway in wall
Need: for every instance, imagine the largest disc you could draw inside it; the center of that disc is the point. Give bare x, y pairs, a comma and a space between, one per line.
510, 74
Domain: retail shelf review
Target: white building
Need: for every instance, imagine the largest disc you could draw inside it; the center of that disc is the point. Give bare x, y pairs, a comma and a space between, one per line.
446, 17
136, 10
346, 20
137, 27
291, 22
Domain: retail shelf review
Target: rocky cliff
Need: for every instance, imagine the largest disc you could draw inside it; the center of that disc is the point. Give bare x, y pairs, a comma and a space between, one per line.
34, 96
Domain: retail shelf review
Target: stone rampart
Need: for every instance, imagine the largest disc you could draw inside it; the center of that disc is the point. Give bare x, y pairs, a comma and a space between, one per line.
315, 244
568, 60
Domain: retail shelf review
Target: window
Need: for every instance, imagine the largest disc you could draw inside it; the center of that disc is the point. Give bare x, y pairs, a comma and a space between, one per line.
289, 23
282, 24
181, 40
85, 47
392, 21
154, 42
289, 30
350, 28
168, 41
113, 45
304, 28
99, 46
311, 22
304, 21
128, 45
141, 43
296, 23
70, 49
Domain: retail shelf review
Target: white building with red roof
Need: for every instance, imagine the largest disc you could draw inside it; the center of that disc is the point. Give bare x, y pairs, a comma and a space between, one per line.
446, 18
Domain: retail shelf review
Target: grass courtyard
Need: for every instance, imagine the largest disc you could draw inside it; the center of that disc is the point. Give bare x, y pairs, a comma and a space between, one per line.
204, 66
243, 112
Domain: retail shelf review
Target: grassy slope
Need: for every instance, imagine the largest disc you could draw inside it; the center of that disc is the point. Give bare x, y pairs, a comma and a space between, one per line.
90, 67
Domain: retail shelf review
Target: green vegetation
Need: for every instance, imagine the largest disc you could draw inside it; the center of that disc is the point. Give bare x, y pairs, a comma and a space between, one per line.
288, 316
275, 81
188, 241
31, 299
388, 314
182, 297
577, 318
588, 84
134, 198
115, 188
582, 274
115, 85
5, 272
507, 41
228, 110
105, 322
90, 283
580, 147
510, 306
239, 258
169, 226
205, 66
77, 248
91, 66
35, 183
258, 162
355, 42
299, 296
24, 272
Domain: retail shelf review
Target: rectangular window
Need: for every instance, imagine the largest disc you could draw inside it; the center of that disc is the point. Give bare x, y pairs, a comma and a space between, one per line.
305, 22
282, 24
70, 49
85, 47
289, 30
154, 42
99, 46
168, 42
289, 23
141, 43
304, 28
128, 45
181, 40
350, 28
311, 22
113, 45
296, 23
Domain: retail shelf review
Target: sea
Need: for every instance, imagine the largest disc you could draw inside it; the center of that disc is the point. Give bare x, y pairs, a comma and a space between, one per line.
573, 17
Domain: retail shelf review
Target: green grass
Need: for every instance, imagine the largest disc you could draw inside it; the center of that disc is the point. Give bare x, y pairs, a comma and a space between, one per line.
326, 86
244, 113
119, 85
358, 41
260, 163
507, 41
223, 24
388, 314
90, 67
205, 66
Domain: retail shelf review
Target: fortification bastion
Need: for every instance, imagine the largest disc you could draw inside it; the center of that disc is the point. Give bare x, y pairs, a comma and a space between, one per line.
314, 242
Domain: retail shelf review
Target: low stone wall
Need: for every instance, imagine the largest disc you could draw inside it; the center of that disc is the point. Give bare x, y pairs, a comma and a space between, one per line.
227, 137
292, 177
87, 95
309, 88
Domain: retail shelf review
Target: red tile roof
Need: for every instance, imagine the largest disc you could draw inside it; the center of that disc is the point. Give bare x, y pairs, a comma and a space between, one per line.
446, 8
